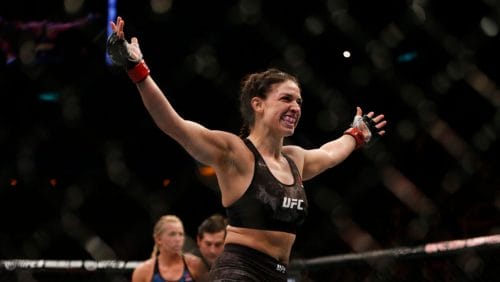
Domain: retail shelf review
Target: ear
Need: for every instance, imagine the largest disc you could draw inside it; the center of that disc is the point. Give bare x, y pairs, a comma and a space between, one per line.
157, 240
257, 104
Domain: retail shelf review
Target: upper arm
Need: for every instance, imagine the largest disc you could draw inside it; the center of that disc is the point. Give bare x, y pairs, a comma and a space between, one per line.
205, 145
309, 162
196, 267
210, 147
315, 162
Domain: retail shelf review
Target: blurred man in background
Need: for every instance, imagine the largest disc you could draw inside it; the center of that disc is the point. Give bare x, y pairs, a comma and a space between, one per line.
210, 239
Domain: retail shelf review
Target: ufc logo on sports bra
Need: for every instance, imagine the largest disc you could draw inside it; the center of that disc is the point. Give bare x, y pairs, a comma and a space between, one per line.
292, 203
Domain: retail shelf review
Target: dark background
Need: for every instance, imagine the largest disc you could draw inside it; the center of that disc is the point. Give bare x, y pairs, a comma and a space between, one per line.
85, 173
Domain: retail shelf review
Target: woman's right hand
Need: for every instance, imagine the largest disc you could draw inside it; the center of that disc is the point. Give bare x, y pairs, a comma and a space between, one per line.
121, 52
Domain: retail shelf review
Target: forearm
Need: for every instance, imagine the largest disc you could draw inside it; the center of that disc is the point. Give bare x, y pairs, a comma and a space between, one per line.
339, 149
327, 156
336, 151
158, 106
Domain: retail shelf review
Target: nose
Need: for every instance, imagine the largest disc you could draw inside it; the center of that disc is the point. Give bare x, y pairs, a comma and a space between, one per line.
295, 107
179, 237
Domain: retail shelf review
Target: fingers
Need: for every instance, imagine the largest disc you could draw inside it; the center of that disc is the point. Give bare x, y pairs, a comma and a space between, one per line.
381, 124
121, 23
378, 118
134, 40
359, 112
118, 27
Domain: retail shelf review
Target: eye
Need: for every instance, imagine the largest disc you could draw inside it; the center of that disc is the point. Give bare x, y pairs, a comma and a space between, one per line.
291, 98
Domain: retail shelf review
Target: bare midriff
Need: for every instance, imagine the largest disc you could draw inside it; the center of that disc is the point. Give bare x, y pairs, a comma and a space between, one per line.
276, 244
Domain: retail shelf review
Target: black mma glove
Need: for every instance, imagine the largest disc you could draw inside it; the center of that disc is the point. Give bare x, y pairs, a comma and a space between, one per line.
363, 128
127, 55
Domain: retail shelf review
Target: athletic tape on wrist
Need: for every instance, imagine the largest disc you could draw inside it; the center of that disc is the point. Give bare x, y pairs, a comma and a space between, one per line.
139, 72
358, 136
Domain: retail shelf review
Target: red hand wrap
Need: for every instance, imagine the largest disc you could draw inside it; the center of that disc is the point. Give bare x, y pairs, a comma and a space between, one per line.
358, 136
139, 72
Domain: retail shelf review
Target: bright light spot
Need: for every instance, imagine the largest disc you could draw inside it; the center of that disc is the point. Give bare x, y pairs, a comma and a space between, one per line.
207, 171
111, 17
346, 54
49, 96
161, 6
407, 57
489, 26
73, 6
166, 182
53, 182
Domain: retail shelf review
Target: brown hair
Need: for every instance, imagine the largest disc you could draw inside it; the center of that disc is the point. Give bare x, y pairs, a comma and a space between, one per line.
213, 224
258, 85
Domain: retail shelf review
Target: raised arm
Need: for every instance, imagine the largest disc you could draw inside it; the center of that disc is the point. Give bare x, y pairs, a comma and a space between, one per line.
207, 146
315, 161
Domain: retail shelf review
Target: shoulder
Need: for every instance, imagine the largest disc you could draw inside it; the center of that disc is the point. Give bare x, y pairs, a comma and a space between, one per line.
144, 271
295, 152
192, 259
193, 251
238, 153
195, 265
292, 149
235, 142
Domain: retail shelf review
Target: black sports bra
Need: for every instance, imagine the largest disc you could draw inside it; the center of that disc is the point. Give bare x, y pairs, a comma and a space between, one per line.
186, 274
267, 203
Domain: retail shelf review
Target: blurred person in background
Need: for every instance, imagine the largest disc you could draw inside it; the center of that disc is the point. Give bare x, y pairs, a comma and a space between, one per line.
210, 239
168, 262
35, 42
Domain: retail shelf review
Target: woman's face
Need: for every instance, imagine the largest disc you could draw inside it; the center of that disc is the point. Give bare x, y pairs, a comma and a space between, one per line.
282, 107
171, 239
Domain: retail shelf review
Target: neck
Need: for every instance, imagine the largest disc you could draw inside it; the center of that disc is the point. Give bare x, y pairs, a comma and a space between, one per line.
267, 145
169, 257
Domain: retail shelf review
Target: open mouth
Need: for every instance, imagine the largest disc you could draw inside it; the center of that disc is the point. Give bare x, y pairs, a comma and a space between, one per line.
289, 121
